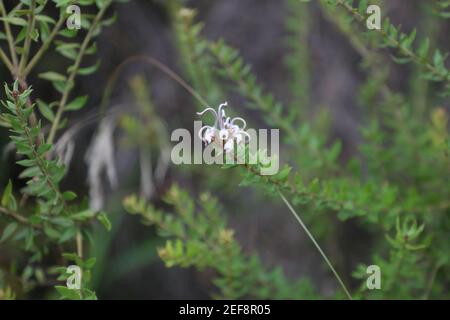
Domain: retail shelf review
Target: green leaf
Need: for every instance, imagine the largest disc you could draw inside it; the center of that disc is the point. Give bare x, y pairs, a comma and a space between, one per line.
67, 235
89, 263
69, 195
77, 104
89, 70
67, 293
52, 76
103, 218
51, 233
83, 215
7, 194
15, 21
45, 110
9, 230
73, 257
43, 148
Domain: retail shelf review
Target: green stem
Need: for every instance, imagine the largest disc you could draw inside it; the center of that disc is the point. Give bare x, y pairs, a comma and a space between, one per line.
14, 215
44, 46
38, 159
74, 71
324, 256
27, 43
6, 61
407, 52
9, 36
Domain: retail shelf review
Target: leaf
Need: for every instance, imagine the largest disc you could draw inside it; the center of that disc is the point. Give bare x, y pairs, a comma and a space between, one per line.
73, 257
51, 233
43, 148
30, 172
69, 195
52, 76
67, 235
45, 19
67, 293
45, 110
77, 104
26, 162
89, 263
9, 230
103, 218
89, 70
15, 21
83, 215
7, 194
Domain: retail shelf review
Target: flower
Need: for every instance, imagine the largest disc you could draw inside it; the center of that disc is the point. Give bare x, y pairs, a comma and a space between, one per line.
225, 130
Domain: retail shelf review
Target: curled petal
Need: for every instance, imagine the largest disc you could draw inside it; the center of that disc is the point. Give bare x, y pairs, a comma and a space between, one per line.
206, 110
245, 133
244, 123
220, 110
221, 114
209, 135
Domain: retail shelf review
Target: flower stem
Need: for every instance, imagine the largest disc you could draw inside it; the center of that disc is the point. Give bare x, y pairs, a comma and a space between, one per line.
324, 256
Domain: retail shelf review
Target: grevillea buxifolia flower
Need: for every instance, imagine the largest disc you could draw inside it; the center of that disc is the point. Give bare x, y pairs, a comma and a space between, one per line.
225, 130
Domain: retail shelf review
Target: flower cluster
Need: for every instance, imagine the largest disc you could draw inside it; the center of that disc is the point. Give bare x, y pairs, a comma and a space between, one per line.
225, 131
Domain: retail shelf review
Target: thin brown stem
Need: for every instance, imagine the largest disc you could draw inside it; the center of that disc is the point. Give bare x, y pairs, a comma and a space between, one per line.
18, 217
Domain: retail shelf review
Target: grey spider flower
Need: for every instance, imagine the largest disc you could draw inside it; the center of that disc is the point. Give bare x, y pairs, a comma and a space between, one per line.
225, 130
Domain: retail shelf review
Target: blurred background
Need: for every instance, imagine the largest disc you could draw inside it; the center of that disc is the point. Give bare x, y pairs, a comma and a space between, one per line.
127, 262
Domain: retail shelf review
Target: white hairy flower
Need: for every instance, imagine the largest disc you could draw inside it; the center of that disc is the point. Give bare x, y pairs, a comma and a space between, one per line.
225, 130
223, 134
229, 145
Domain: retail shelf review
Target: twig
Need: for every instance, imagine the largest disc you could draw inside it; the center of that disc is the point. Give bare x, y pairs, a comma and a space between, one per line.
41, 51
324, 256
6, 61
79, 240
18, 217
407, 52
76, 66
14, 215
9, 36
27, 43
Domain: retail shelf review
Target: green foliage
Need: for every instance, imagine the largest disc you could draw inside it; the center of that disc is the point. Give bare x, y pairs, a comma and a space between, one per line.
43, 175
84, 293
396, 187
193, 49
199, 236
407, 48
45, 220
297, 60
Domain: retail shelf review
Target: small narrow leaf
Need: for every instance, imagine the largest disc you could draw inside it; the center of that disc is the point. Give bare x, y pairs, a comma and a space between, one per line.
77, 104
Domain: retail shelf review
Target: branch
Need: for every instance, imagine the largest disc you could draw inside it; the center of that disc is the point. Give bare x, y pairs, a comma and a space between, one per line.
76, 66
14, 215
9, 35
27, 43
407, 52
6, 61
44, 46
